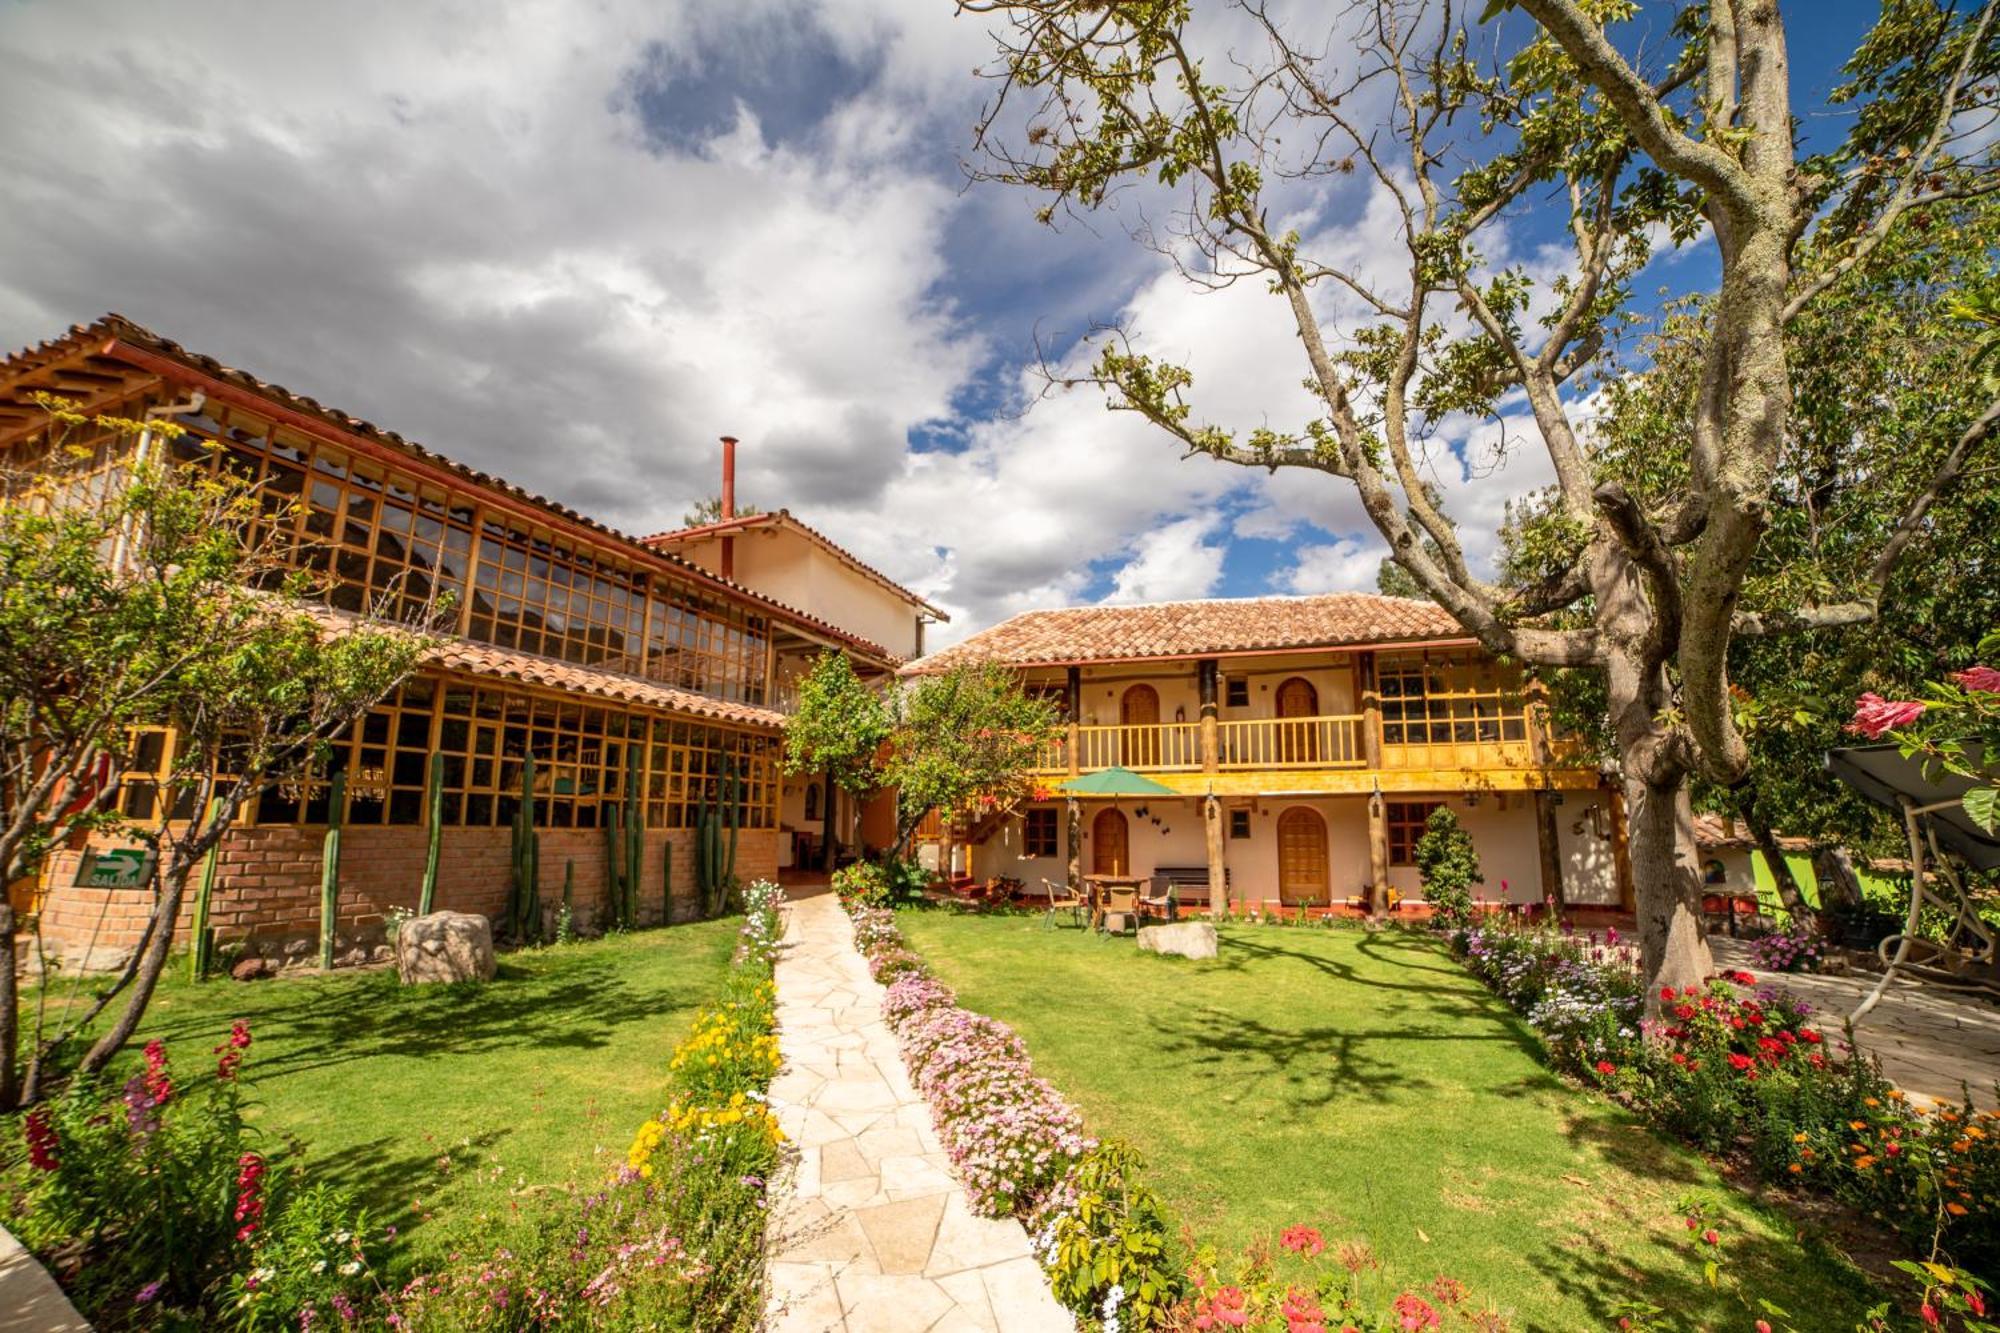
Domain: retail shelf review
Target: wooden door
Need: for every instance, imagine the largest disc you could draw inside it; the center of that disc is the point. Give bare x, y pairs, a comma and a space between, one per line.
1139, 712
1303, 876
1109, 853
1298, 741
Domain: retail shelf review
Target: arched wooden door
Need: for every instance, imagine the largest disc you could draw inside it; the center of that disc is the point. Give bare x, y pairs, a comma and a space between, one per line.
1303, 875
1139, 712
1298, 741
1110, 843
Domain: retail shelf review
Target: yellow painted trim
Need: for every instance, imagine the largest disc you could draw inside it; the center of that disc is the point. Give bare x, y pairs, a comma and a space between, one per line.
1362, 781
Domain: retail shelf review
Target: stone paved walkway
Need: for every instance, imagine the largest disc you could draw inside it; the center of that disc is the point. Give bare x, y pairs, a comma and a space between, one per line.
1929, 1040
877, 1236
30, 1300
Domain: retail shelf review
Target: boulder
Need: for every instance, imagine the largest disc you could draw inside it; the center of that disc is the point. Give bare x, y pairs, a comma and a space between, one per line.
251, 968
444, 946
1188, 939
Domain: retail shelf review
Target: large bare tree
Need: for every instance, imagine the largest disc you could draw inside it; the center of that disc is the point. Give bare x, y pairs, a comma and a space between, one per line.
1491, 133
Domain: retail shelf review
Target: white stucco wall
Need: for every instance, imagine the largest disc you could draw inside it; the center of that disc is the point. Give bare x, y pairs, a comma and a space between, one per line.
1171, 834
791, 568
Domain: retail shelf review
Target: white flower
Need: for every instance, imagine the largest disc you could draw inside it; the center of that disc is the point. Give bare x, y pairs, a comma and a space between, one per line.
350, 1268
320, 1266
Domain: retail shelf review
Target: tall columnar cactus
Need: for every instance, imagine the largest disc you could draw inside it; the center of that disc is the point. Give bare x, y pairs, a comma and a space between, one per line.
635, 844
202, 955
715, 860
524, 909
329, 870
614, 874
434, 815
667, 883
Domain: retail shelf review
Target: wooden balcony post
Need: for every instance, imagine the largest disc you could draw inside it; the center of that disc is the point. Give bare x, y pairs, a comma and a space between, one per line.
1378, 855
1371, 710
1551, 855
1211, 757
1073, 841
1218, 870
1073, 708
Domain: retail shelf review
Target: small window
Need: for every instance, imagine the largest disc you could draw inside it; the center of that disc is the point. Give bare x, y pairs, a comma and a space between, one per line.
1236, 691
1239, 823
1038, 836
1406, 825
1714, 872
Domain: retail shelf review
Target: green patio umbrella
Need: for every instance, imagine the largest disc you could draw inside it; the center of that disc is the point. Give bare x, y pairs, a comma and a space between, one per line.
1115, 782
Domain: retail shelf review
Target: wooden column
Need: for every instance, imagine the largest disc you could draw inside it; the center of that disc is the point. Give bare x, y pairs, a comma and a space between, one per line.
826, 822
1073, 834
1211, 755
1073, 711
1621, 851
1551, 855
1218, 868
1371, 710
1378, 855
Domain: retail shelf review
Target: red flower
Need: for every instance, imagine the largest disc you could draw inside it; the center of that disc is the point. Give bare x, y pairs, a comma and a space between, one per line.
1302, 1240
249, 1194
1809, 1036
230, 1052
1414, 1312
1302, 1313
1975, 1302
1606, 1068
1741, 978
1737, 1060
1930, 1314
1874, 715
1763, 1326
1680, 1057
159, 1083
1709, 1237
1984, 679
1667, 993
42, 1141
1683, 1011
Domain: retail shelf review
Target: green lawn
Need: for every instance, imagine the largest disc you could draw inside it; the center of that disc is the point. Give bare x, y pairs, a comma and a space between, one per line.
1366, 1085
446, 1109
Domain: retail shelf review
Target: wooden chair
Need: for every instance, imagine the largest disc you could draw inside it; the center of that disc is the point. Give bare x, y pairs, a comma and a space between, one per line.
1063, 898
1157, 899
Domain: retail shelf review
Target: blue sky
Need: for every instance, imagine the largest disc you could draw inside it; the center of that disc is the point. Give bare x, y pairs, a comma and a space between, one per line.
573, 244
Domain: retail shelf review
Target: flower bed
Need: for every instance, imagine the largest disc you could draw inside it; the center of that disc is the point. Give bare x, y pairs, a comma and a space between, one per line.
675, 1238
1740, 1069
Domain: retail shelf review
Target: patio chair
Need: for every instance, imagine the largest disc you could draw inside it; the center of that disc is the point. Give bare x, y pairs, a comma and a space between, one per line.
1062, 898
1157, 898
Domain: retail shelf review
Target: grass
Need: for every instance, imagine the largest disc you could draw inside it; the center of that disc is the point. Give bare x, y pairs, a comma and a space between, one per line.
1365, 1084
445, 1109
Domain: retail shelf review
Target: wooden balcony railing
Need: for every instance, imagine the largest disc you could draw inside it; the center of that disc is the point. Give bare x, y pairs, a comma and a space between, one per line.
1290, 742
1474, 736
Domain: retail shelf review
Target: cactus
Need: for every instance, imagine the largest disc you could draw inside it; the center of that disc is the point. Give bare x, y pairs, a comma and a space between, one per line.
635, 844
434, 808
715, 863
202, 956
329, 870
666, 883
614, 878
524, 908
735, 809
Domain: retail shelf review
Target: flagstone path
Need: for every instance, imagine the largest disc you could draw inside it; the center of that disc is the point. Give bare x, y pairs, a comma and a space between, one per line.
877, 1235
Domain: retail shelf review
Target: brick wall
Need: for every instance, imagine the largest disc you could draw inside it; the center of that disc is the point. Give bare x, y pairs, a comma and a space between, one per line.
268, 879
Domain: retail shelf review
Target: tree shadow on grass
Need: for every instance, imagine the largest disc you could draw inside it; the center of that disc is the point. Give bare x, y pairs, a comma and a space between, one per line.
322, 1024
388, 1175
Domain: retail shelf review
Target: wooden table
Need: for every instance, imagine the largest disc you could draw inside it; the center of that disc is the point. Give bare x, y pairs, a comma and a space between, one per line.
1112, 893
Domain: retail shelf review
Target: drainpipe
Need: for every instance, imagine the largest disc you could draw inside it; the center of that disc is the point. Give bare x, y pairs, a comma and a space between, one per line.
728, 503
194, 402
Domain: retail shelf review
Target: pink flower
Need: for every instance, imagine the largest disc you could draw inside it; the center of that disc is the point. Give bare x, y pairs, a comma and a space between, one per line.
1874, 715
1606, 1068
1984, 679
1413, 1312
42, 1141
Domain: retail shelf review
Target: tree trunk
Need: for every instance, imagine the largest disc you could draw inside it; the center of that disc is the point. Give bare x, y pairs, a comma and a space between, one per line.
10, 1010
1787, 883
1840, 886
152, 962
1673, 944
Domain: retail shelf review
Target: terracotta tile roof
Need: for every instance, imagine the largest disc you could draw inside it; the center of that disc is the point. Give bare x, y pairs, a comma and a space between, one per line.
484, 659
116, 329
1715, 833
1189, 629
785, 518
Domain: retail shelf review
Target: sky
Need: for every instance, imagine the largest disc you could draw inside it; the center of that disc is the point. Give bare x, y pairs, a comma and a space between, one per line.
573, 242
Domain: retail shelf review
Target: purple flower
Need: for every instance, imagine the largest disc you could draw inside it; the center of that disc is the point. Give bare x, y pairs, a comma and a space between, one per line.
149, 1293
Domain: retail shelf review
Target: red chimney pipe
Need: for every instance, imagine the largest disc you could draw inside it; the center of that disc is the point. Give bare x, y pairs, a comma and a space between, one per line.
728, 570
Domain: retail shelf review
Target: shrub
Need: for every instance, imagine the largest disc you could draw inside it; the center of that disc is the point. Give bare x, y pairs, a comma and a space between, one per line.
1794, 949
153, 1204
1105, 1241
911, 994
1304, 1283
864, 882
1449, 867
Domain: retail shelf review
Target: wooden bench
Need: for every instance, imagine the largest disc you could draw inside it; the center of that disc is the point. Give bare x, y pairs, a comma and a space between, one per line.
1190, 883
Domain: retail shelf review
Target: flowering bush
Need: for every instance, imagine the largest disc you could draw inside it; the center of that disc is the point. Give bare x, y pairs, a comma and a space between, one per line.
1956, 726
151, 1204
1305, 1285
864, 883
1104, 1240
1794, 949
1734, 1067
911, 994
675, 1240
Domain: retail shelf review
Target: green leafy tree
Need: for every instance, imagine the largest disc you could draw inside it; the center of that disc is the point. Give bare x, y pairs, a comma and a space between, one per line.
707, 511
1448, 865
966, 743
143, 609
841, 726
1533, 118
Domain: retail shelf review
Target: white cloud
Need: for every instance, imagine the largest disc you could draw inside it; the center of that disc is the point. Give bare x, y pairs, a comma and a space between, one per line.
1348, 565
1174, 562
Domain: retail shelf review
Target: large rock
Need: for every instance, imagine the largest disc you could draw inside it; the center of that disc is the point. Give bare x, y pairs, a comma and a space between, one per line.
1188, 939
444, 946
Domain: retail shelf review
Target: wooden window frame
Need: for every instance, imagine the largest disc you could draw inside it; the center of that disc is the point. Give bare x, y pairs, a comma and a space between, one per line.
1406, 820
1041, 832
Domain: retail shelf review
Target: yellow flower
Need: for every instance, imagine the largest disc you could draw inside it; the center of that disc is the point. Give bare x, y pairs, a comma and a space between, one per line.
1799, 1137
